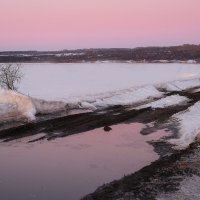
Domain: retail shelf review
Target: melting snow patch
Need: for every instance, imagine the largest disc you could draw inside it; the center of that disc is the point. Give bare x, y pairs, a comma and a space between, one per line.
182, 85
166, 102
129, 97
45, 107
87, 105
189, 126
196, 90
16, 105
189, 190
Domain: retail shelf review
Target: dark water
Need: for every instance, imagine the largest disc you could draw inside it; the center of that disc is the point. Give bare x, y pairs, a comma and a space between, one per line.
69, 168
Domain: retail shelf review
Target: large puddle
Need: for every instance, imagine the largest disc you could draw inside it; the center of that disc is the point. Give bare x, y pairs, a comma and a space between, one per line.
71, 167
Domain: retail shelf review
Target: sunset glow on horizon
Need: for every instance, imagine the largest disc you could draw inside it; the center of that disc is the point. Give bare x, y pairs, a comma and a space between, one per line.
71, 24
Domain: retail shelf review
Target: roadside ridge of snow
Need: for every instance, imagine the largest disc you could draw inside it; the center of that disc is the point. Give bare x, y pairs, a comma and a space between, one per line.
129, 97
166, 102
14, 105
189, 126
17, 105
181, 85
45, 107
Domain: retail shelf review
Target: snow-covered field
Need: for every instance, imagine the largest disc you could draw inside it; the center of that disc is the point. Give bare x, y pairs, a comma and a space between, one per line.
81, 80
96, 85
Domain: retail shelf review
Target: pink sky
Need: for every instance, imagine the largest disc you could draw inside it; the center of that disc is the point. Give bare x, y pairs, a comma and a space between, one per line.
66, 24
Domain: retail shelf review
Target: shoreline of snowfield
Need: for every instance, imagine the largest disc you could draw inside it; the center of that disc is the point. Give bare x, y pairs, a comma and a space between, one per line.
28, 107
16, 106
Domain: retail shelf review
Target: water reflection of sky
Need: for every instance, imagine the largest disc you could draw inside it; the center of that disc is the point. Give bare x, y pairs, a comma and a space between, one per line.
68, 168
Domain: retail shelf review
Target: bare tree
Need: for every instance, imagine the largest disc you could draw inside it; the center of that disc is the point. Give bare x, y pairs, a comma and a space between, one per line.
10, 75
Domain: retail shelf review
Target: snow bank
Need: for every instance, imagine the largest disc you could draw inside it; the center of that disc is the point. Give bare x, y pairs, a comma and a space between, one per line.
96, 85
45, 107
182, 85
6, 108
16, 105
129, 97
166, 102
191, 61
189, 126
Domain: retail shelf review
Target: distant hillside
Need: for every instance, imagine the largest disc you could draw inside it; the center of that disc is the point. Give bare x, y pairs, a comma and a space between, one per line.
142, 54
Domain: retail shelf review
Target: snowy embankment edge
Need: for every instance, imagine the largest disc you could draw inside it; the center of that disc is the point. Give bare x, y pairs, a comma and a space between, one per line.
13, 102
14, 105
